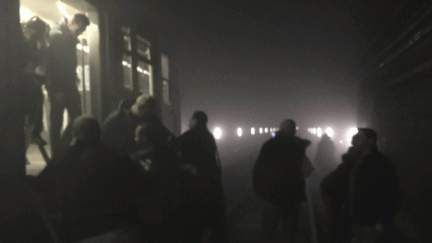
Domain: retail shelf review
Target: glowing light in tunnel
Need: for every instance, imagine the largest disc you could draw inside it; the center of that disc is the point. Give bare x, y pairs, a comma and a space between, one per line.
330, 132
260, 130
319, 132
239, 132
253, 131
351, 132
266, 130
217, 133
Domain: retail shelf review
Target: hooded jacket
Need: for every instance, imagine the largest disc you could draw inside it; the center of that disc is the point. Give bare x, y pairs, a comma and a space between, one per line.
62, 59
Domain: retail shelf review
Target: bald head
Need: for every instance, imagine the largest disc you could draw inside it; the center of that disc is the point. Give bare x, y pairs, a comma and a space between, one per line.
288, 126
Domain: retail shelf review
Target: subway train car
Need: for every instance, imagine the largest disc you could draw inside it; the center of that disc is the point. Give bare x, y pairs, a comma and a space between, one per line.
122, 53
395, 99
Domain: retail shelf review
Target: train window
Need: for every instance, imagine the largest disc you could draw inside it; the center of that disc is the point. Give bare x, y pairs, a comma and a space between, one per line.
127, 42
143, 47
165, 92
165, 76
127, 72
145, 78
125, 30
165, 66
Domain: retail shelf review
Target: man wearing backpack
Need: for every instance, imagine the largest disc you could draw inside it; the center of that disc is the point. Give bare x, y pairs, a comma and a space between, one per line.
278, 178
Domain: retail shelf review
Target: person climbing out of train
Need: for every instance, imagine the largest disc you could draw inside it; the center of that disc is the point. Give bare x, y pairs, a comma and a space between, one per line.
118, 129
369, 187
93, 190
34, 30
278, 178
198, 151
62, 78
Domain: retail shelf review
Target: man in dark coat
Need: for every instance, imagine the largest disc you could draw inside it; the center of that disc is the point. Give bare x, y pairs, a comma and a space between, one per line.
286, 188
199, 154
334, 191
374, 189
118, 130
367, 186
91, 189
62, 78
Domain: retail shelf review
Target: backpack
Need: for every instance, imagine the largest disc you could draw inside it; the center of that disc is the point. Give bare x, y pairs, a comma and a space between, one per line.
269, 180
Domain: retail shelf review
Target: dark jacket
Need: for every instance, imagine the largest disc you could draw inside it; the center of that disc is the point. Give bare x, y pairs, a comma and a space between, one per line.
336, 184
118, 130
94, 189
62, 60
198, 148
374, 190
286, 153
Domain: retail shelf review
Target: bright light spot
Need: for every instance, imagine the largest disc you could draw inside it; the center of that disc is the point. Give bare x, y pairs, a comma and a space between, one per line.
62, 9
314, 131
266, 130
239, 132
25, 14
341, 142
330, 132
260, 130
297, 128
353, 131
273, 134
319, 132
253, 131
217, 133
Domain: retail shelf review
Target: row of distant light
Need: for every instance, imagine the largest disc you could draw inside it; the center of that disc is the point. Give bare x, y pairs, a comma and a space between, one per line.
330, 132
217, 132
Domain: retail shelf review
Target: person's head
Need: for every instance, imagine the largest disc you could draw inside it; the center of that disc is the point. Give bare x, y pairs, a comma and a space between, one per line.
35, 29
365, 140
78, 24
199, 118
144, 105
86, 128
288, 126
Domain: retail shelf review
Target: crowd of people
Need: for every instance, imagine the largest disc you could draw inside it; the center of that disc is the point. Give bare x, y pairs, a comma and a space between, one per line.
360, 197
132, 176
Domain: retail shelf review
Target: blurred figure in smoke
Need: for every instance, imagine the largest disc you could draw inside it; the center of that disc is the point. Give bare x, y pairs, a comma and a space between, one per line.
62, 78
199, 154
324, 160
278, 178
324, 164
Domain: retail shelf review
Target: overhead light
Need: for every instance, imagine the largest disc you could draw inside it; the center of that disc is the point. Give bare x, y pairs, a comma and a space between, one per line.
253, 131
266, 130
319, 132
260, 130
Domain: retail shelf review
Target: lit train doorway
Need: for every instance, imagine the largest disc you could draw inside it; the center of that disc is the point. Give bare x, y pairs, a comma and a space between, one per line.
88, 56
